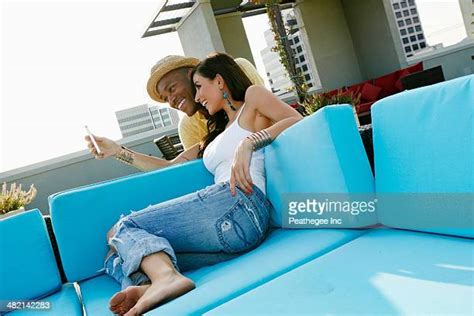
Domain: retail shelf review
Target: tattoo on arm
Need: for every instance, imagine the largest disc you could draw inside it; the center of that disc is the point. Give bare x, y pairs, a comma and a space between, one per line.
125, 156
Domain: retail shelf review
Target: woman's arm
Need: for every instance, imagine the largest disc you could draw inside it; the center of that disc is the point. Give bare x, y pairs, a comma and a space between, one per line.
264, 102
109, 148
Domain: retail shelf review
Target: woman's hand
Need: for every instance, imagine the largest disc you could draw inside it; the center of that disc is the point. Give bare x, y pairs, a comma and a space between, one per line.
107, 147
240, 172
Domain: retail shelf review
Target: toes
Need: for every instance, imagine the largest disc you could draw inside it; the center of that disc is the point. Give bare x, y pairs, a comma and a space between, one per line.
117, 299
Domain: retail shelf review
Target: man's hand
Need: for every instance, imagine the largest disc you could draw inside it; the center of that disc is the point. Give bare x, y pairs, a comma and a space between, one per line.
240, 172
107, 147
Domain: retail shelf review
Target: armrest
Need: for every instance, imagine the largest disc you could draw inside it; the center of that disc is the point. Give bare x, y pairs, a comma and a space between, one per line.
81, 217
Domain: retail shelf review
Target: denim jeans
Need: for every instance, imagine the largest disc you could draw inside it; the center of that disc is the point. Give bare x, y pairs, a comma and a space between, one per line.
206, 227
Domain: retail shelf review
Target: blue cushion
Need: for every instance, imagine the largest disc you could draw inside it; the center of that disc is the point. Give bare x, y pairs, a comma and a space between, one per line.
424, 143
96, 293
323, 153
82, 217
282, 251
382, 272
28, 267
64, 302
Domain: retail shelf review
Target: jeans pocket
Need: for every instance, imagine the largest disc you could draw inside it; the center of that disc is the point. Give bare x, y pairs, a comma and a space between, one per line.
240, 228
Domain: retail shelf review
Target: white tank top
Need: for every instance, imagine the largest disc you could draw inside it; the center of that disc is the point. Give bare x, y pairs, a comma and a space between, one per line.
219, 155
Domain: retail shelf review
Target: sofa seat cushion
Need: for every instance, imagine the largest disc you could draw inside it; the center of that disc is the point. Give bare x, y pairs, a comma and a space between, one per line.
96, 293
382, 272
282, 251
63, 302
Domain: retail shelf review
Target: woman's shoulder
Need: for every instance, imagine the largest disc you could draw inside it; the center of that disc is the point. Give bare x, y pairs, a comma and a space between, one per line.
255, 93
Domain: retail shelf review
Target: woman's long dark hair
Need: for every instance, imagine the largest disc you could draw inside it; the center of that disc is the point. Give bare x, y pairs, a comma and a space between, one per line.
235, 79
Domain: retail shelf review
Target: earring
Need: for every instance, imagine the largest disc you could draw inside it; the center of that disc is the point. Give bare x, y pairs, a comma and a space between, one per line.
226, 98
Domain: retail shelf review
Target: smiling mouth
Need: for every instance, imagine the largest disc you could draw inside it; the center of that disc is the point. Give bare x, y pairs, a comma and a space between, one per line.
180, 105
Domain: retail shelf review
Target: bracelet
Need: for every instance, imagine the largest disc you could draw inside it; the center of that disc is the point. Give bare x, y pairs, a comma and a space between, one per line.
125, 156
260, 139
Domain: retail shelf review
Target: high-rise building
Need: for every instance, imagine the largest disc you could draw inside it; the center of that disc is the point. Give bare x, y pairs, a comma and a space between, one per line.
467, 10
145, 118
409, 26
276, 73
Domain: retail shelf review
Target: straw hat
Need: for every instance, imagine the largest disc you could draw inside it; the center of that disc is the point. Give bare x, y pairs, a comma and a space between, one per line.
164, 66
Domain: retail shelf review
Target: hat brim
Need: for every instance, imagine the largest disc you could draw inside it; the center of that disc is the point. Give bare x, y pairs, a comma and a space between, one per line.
163, 69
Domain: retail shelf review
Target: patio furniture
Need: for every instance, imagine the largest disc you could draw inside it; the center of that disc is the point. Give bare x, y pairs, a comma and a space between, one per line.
397, 260
170, 146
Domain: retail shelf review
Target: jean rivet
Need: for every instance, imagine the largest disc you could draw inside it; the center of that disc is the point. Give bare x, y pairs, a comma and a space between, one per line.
226, 225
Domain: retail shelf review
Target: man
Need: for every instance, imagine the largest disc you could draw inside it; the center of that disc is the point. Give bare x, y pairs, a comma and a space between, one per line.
170, 83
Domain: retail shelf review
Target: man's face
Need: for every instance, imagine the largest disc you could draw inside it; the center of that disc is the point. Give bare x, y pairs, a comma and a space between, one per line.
176, 89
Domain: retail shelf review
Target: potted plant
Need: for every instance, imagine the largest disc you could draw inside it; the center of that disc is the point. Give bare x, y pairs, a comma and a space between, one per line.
318, 100
14, 200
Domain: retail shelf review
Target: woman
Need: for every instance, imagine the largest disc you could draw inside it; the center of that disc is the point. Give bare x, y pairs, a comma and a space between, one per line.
231, 216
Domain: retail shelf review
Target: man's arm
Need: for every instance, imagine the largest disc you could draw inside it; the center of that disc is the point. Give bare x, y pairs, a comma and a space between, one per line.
109, 148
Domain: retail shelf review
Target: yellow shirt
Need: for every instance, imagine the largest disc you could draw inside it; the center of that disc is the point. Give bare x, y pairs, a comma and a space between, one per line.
193, 129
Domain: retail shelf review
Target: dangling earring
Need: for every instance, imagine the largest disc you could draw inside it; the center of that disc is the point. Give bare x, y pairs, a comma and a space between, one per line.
226, 98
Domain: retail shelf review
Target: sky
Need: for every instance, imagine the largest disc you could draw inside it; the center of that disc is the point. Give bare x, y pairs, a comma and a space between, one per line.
70, 63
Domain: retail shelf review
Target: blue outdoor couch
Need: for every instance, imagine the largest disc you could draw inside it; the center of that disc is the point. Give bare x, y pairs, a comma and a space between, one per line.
400, 259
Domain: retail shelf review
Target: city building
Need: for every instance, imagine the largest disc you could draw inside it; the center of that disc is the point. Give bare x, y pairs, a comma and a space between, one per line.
145, 118
409, 26
280, 83
467, 10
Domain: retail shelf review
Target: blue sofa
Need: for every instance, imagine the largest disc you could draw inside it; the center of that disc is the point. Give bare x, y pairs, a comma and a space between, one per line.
413, 255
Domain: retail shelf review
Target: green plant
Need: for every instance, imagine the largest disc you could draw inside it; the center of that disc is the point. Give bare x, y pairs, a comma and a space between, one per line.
318, 100
15, 198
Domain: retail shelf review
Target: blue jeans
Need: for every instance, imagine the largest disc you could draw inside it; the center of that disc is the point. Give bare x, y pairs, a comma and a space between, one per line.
206, 227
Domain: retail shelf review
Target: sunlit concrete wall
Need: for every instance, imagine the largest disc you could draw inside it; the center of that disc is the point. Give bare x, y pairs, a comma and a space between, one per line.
233, 35
198, 32
374, 43
324, 26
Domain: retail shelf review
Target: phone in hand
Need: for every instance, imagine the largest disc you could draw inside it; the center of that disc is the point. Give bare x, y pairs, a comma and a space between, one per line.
93, 140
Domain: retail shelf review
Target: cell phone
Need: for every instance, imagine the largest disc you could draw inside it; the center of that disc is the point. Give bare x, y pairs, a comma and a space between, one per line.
93, 140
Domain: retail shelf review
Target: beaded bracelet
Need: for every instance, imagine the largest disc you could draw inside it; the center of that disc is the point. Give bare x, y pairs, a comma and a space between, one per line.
260, 139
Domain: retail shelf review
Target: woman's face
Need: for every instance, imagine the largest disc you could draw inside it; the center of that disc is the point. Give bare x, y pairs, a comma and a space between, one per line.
208, 93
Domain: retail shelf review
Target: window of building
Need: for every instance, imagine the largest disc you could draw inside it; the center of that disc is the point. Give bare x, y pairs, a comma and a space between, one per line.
411, 2
307, 77
422, 44
409, 55
406, 13
407, 49
398, 14
413, 38
403, 32
418, 28
305, 68
297, 40
416, 19
400, 23
404, 4
396, 6
299, 49
416, 47
420, 36
408, 21
310, 84
413, 10
302, 60
411, 30
405, 40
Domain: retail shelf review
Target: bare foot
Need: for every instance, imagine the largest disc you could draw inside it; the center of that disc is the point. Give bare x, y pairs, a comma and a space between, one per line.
122, 301
163, 290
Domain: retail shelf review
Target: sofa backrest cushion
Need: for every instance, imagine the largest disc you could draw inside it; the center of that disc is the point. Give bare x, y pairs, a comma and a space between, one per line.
322, 154
27, 264
424, 158
82, 217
